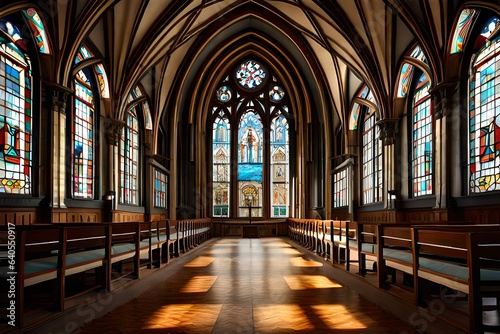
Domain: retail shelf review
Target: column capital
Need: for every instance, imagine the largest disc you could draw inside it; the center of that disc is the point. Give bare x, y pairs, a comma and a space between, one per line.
58, 96
443, 94
112, 128
388, 129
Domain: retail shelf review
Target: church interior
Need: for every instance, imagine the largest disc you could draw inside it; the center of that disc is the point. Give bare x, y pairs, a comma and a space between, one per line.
137, 135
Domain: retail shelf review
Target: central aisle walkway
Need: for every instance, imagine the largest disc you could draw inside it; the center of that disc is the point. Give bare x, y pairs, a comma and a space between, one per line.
249, 286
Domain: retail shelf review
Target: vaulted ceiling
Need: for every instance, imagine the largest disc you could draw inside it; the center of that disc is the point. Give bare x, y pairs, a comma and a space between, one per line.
343, 42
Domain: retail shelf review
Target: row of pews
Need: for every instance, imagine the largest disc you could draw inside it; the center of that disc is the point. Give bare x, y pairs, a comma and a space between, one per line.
55, 266
451, 270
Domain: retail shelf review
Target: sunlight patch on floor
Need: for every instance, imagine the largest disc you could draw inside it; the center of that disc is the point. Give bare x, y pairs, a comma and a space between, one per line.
304, 282
199, 284
280, 317
301, 262
342, 319
184, 316
200, 261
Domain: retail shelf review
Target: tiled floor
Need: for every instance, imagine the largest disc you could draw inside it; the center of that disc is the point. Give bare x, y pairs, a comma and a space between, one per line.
249, 286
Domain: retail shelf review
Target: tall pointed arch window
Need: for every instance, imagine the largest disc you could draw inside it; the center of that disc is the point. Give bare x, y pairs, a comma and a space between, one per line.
372, 160
250, 129
363, 115
83, 138
484, 113
16, 119
129, 159
89, 80
414, 83
422, 143
221, 148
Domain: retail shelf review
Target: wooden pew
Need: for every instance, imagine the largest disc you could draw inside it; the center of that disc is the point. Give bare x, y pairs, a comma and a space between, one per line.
337, 235
172, 245
465, 258
369, 247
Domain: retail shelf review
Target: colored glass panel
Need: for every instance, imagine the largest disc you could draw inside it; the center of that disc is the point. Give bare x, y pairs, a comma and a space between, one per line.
341, 188
422, 145
83, 53
250, 172
38, 30
250, 74
372, 162
276, 93
404, 79
102, 79
160, 189
83, 139
10, 29
464, 24
484, 120
280, 167
224, 94
221, 168
129, 160
15, 122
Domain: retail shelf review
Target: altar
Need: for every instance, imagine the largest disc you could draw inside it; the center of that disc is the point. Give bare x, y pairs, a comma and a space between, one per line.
249, 229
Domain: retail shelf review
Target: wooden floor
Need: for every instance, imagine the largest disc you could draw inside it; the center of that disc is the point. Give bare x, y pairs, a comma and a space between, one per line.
249, 286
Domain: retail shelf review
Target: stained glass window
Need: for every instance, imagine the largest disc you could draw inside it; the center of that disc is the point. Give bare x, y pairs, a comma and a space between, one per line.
221, 150
99, 72
280, 161
251, 164
38, 30
276, 93
137, 96
250, 74
250, 141
129, 160
353, 120
160, 189
464, 23
341, 188
372, 161
422, 145
15, 119
404, 79
224, 94
83, 138
484, 118
405, 76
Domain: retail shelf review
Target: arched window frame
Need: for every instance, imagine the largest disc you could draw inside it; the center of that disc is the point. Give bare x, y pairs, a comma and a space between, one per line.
17, 121
420, 165
90, 84
422, 142
83, 138
363, 118
484, 112
371, 169
130, 154
231, 101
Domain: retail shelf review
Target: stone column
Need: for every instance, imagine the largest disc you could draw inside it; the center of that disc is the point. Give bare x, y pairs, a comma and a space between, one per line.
112, 131
388, 128
447, 152
59, 96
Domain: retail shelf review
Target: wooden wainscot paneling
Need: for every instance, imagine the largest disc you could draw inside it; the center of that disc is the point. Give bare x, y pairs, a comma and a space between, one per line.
483, 214
154, 217
426, 216
123, 216
387, 216
341, 214
76, 215
24, 216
